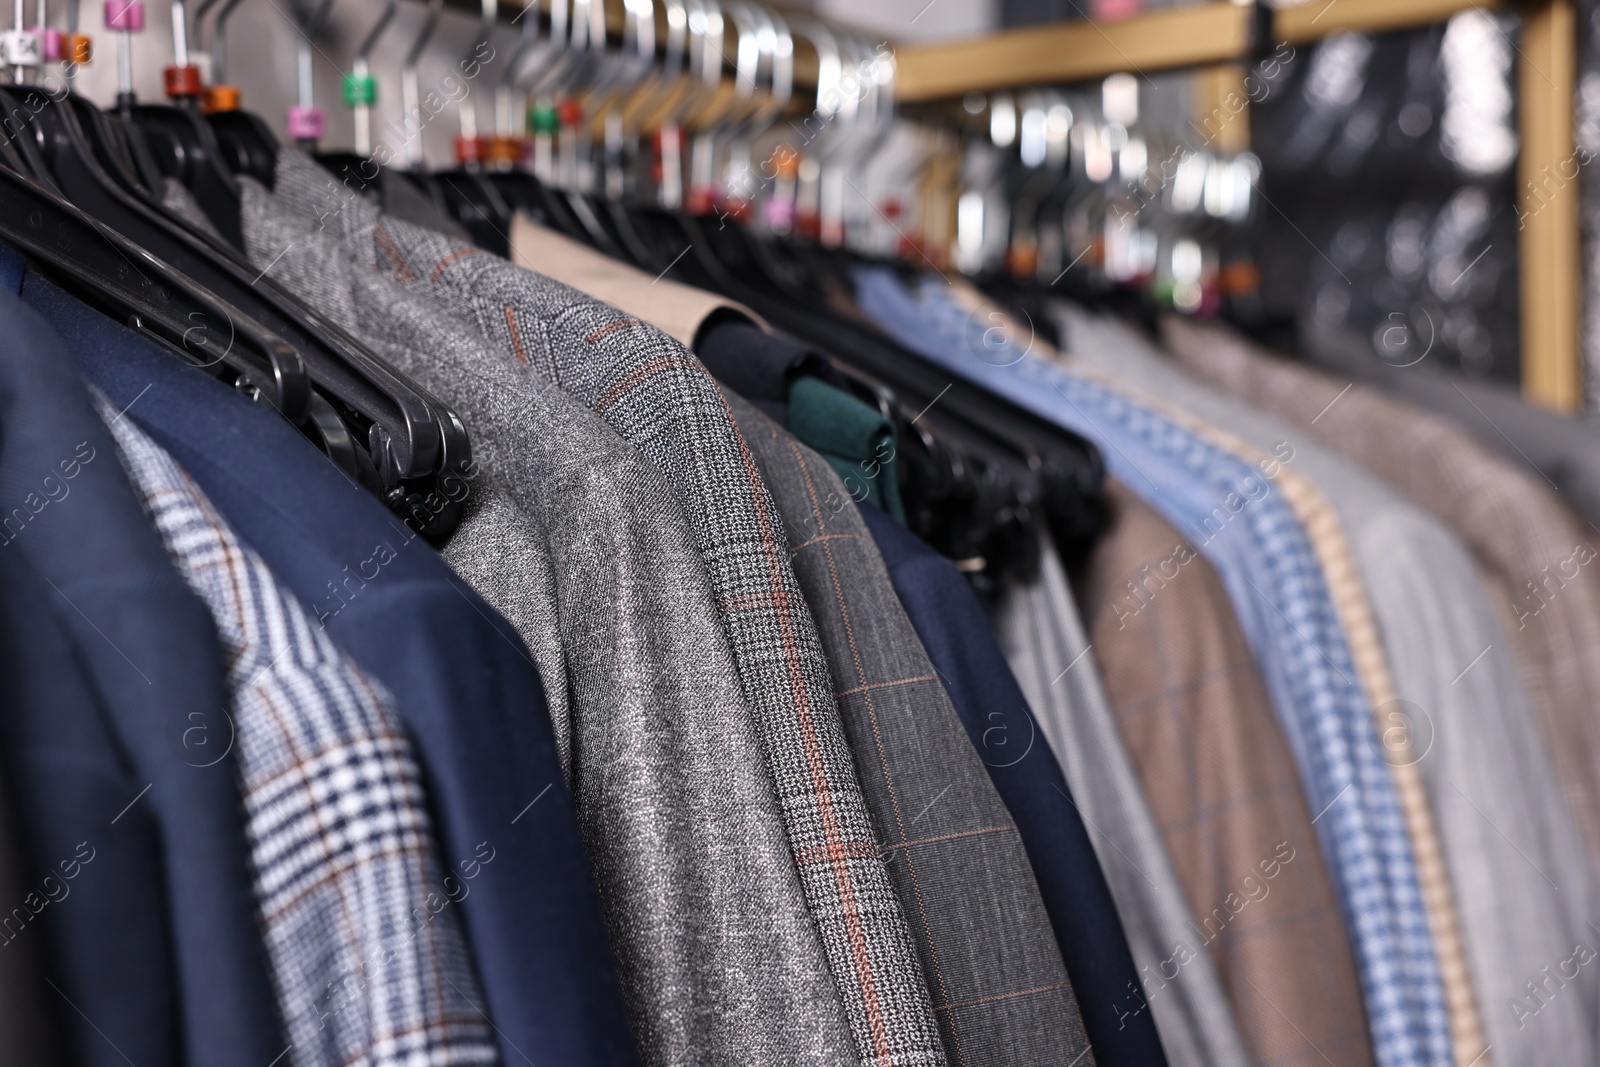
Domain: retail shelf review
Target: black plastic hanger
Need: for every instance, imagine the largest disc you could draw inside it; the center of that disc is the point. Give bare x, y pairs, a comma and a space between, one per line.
406, 434
111, 273
185, 148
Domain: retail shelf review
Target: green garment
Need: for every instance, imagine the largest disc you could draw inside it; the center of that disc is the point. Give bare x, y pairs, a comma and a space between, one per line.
857, 441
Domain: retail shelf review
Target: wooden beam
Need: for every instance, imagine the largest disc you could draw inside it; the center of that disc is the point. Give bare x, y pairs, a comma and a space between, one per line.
1547, 207
1064, 52
1305, 23
1195, 36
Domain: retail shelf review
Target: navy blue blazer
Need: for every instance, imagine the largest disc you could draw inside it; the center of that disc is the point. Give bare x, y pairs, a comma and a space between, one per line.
114, 745
463, 683
962, 645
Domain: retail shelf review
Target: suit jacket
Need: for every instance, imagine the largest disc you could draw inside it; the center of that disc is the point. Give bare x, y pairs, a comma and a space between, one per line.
341, 846
1044, 642
464, 686
961, 644
720, 960
659, 398
1194, 717
680, 311
1491, 780
1562, 450
1532, 549
1000, 990
138, 887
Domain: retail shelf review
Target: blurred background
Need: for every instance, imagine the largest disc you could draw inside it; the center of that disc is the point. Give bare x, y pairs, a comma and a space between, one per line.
1380, 168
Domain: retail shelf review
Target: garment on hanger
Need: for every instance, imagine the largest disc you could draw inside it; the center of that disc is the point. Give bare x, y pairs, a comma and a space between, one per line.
1529, 546
857, 441
464, 687
151, 940
680, 311
1268, 563
1359, 531
800, 390
1197, 724
1482, 755
1564, 451
662, 753
1000, 990
966, 656
316, 740
1471, 749
1038, 627
630, 373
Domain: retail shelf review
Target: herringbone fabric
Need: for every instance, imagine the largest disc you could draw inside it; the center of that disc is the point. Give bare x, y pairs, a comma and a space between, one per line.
365, 952
659, 398
720, 961
1000, 989
1194, 716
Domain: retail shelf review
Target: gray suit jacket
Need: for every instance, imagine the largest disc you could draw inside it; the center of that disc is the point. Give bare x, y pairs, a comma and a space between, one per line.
1000, 989
720, 960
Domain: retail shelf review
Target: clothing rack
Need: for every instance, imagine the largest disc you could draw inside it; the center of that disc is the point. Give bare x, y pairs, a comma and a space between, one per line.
1212, 37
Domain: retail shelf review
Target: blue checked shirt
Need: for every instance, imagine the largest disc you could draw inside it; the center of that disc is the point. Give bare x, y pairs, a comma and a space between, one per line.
1254, 541
363, 943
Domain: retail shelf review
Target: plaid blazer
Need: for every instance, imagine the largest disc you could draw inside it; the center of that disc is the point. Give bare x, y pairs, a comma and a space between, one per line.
659, 398
578, 540
1000, 989
365, 952
1194, 716
1509, 839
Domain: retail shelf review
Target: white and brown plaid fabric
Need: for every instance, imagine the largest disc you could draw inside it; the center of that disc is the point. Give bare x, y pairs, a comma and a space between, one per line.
1194, 715
366, 955
1000, 989
658, 396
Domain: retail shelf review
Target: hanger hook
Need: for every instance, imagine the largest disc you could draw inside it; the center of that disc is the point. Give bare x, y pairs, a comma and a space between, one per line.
219, 42
410, 89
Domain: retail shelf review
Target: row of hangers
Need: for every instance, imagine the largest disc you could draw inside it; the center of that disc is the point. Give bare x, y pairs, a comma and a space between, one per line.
636, 145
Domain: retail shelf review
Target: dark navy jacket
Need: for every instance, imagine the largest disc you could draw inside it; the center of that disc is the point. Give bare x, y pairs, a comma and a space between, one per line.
463, 683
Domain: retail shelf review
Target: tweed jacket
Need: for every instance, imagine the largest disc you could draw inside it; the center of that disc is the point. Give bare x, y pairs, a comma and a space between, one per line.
1038, 627
1490, 778
676, 805
660, 399
1281, 594
1194, 716
1000, 989
341, 845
